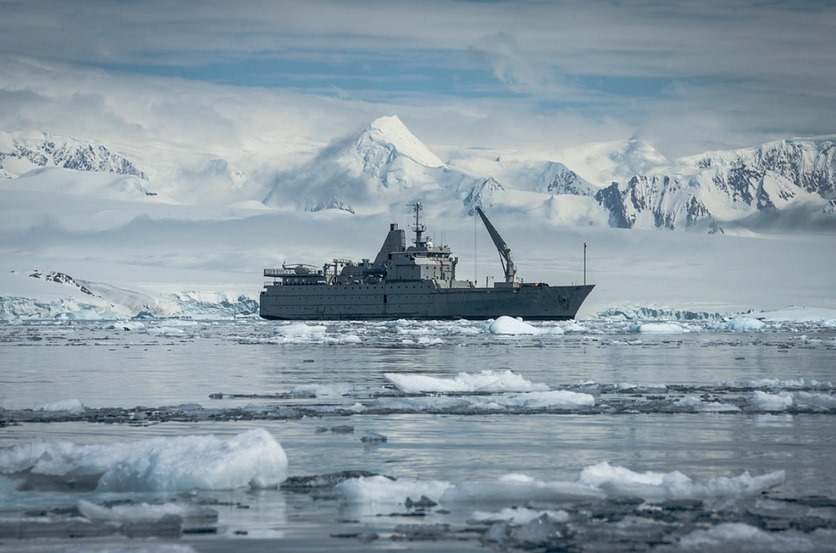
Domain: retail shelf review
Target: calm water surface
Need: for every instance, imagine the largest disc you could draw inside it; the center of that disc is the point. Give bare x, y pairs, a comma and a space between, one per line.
707, 403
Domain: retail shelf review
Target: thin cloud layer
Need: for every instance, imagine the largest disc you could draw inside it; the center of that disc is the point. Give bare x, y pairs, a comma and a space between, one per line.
535, 76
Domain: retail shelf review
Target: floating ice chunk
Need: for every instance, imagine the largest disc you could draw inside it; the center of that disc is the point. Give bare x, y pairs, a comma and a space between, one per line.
379, 493
485, 381
68, 405
771, 402
661, 328
603, 474
697, 404
420, 404
743, 324
556, 399
573, 326
551, 399
776, 384
127, 326
519, 515
508, 326
620, 481
253, 458
736, 536
301, 332
143, 511
380, 490
165, 331
655, 387
826, 401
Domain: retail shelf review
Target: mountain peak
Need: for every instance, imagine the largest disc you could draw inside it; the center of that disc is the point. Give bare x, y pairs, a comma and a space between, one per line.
389, 131
639, 156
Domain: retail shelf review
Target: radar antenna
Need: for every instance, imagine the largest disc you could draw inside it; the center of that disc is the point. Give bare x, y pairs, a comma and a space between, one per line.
504, 251
418, 228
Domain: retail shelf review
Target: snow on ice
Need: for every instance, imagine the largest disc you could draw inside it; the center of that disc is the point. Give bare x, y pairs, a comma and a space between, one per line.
509, 326
738, 536
253, 458
620, 481
602, 480
69, 405
485, 381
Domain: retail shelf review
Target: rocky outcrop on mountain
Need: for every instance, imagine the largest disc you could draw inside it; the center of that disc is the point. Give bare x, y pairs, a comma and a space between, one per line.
61, 278
482, 194
568, 182
654, 201
718, 188
22, 152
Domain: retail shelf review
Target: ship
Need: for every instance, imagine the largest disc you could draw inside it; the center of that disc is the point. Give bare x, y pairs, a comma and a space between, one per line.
412, 282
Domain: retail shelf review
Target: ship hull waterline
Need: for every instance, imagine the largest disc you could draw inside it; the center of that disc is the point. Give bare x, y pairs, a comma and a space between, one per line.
420, 300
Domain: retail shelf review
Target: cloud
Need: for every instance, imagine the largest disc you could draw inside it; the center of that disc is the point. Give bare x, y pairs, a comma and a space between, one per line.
277, 80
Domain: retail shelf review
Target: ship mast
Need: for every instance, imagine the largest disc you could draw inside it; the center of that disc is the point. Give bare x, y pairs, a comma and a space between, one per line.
418, 228
504, 251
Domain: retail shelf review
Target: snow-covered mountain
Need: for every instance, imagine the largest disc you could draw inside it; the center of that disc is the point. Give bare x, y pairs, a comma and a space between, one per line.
22, 152
778, 182
194, 179
362, 173
786, 182
386, 165
628, 184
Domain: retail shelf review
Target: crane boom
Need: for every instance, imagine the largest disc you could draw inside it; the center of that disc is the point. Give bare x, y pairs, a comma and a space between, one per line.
503, 249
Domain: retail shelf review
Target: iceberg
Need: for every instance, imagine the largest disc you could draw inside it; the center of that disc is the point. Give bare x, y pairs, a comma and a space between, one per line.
182, 463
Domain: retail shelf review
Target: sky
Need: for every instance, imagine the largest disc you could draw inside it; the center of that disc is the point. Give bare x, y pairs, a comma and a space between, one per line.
276, 80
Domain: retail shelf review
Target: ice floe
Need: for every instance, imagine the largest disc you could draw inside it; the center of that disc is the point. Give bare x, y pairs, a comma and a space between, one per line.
594, 482
509, 326
519, 515
743, 324
661, 328
621, 481
66, 405
739, 536
772, 402
253, 458
485, 381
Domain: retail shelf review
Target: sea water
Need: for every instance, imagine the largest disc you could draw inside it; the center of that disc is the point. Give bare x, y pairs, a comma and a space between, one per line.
246, 435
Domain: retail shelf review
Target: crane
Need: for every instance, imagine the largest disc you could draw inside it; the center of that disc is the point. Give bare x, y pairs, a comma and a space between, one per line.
504, 251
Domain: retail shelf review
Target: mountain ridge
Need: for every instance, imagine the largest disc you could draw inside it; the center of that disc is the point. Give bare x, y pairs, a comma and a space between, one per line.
385, 165
21, 152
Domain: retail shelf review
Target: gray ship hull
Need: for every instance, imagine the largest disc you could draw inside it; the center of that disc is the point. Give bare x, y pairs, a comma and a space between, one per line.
419, 300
